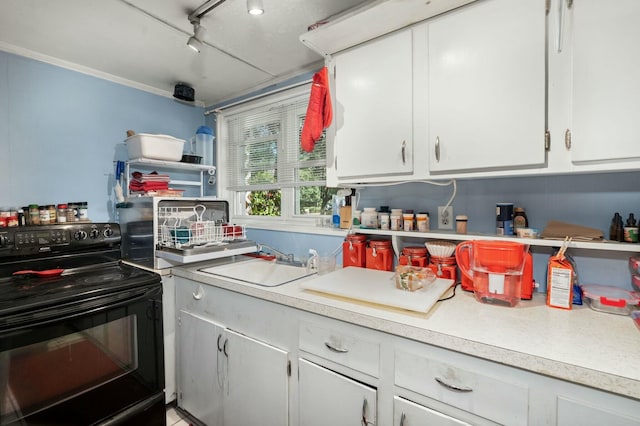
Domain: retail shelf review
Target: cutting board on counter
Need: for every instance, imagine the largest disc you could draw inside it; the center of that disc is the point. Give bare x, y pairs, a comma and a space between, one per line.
373, 286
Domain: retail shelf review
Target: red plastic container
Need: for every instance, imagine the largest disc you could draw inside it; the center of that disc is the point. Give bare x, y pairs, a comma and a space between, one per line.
413, 256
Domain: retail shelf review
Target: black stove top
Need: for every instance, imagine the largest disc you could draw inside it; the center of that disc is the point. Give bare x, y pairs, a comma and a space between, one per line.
88, 255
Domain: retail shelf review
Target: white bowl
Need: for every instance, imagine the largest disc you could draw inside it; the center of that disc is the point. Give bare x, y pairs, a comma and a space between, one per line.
440, 248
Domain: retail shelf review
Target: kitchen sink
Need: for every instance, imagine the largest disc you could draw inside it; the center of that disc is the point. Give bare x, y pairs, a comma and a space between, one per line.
259, 272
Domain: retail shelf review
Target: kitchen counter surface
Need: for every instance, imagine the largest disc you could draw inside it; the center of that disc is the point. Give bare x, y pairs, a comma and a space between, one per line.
583, 346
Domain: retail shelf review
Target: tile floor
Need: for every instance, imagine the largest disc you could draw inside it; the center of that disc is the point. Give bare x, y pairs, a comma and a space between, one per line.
175, 419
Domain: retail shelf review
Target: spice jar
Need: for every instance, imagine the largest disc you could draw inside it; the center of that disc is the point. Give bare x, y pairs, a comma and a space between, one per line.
62, 213
71, 212
396, 219
413, 256
52, 213
422, 222
83, 212
354, 250
385, 221
380, 255
34, 214
43, 212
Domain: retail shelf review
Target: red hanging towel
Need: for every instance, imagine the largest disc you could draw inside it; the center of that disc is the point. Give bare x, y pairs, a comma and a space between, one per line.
319, 111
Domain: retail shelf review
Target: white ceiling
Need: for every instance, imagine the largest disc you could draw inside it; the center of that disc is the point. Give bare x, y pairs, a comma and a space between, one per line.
143, 42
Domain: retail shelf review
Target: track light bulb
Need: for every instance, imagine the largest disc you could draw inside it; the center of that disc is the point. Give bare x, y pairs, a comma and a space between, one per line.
195, 41
255, 7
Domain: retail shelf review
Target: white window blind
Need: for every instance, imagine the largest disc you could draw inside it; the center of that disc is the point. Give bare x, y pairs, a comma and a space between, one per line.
264, 147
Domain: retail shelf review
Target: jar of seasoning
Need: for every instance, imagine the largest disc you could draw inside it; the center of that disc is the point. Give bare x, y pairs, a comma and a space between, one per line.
71, 212
413, 256
396, 219
53, 214
379, 255
354, 250
407, 221
22, 217
519, 219
422, 222
461, 224
34, 214
83, 211
369, 218
62, 213
12, 219
45, 219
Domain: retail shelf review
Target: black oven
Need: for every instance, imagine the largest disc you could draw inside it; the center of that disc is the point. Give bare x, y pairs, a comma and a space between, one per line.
81, 339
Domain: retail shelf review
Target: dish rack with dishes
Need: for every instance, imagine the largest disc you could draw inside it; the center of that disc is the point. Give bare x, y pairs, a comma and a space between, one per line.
188, 227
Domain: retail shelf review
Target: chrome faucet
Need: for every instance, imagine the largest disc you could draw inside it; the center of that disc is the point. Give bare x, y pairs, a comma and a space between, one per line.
279, 255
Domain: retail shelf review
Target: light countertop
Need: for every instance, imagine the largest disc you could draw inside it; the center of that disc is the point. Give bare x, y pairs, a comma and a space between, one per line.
583, 346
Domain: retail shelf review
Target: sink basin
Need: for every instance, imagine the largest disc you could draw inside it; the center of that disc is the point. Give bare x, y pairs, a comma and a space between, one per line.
259, 272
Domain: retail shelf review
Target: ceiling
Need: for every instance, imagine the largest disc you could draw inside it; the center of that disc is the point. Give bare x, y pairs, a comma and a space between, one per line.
142, 43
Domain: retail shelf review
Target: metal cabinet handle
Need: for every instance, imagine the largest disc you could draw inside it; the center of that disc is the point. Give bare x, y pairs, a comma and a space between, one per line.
567, 139
365, 422
336, 349
438, 149
454, 388
402, 417
199, 293
224, 348
218, 343
404, 150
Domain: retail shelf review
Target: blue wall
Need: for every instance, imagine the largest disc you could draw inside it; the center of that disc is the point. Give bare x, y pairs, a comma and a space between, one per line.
61, 131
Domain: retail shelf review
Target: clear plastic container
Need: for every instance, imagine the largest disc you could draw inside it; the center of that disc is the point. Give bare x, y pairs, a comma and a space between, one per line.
613, 300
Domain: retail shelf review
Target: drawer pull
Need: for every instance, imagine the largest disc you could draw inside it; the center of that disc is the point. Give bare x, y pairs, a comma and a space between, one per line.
336, 349
454, 388
402, 418
199, 293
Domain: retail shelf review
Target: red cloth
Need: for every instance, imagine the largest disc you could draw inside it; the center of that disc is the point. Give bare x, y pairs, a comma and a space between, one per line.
319, 111
148, 182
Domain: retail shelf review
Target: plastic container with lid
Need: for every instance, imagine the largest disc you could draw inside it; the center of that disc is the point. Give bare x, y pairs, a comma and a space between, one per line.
422, 222
62, 213
379, 255
395, 219
613, 300
407, 221
369, 218
413, 256
354, 250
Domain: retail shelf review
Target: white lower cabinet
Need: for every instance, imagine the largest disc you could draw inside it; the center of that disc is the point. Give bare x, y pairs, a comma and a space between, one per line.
329, 398
407, 413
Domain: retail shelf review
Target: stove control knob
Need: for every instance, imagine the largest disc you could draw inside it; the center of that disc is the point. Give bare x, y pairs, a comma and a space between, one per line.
108, 232
80, 235
94, 233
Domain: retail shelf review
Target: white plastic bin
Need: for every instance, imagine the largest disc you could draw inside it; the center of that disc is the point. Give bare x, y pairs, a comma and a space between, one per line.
154, 147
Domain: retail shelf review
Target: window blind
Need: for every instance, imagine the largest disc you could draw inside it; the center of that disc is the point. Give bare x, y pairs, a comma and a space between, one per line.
264, 148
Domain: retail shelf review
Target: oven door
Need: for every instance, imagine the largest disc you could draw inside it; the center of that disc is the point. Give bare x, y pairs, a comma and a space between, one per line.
100, 364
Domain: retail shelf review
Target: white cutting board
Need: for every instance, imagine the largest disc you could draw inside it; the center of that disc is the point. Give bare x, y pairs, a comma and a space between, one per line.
371, 285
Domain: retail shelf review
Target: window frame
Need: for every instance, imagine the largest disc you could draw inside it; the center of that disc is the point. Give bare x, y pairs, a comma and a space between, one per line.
288, 205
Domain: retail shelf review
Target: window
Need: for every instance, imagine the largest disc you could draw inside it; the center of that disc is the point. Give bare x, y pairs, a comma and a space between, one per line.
267, 173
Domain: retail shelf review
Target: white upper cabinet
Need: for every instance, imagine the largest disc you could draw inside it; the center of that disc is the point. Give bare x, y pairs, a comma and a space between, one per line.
374, 110
605, 104
486, 90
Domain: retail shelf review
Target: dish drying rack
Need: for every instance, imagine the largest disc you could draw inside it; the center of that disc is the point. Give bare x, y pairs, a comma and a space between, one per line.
184, 227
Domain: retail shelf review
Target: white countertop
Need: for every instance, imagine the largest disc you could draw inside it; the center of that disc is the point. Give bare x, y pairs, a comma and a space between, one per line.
583, 346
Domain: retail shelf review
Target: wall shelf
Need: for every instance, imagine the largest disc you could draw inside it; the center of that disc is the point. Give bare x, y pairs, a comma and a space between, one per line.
159, 165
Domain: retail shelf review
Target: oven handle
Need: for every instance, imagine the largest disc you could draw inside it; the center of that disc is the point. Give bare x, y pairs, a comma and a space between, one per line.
76, 309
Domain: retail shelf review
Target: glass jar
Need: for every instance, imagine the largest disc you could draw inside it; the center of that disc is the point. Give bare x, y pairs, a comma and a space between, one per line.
71, 212
45, 219
62, 213
354, 250
34, 214
83, 211
53, 214
380, 255
413, 256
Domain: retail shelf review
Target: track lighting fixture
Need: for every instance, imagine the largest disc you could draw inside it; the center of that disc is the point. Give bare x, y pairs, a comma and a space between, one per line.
255, 7
195, 41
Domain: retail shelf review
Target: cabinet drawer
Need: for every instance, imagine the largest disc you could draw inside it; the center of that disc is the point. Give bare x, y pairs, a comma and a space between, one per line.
340, 345
463, 386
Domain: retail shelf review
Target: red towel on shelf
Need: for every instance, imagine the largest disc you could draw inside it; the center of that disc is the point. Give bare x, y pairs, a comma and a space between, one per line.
319, 111
148, 182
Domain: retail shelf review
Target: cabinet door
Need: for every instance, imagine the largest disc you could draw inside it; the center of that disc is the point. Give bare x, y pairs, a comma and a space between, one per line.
606, 86
407, 413
373, 108
487, 87
200, 368
328, 398
572, 412
258, 383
